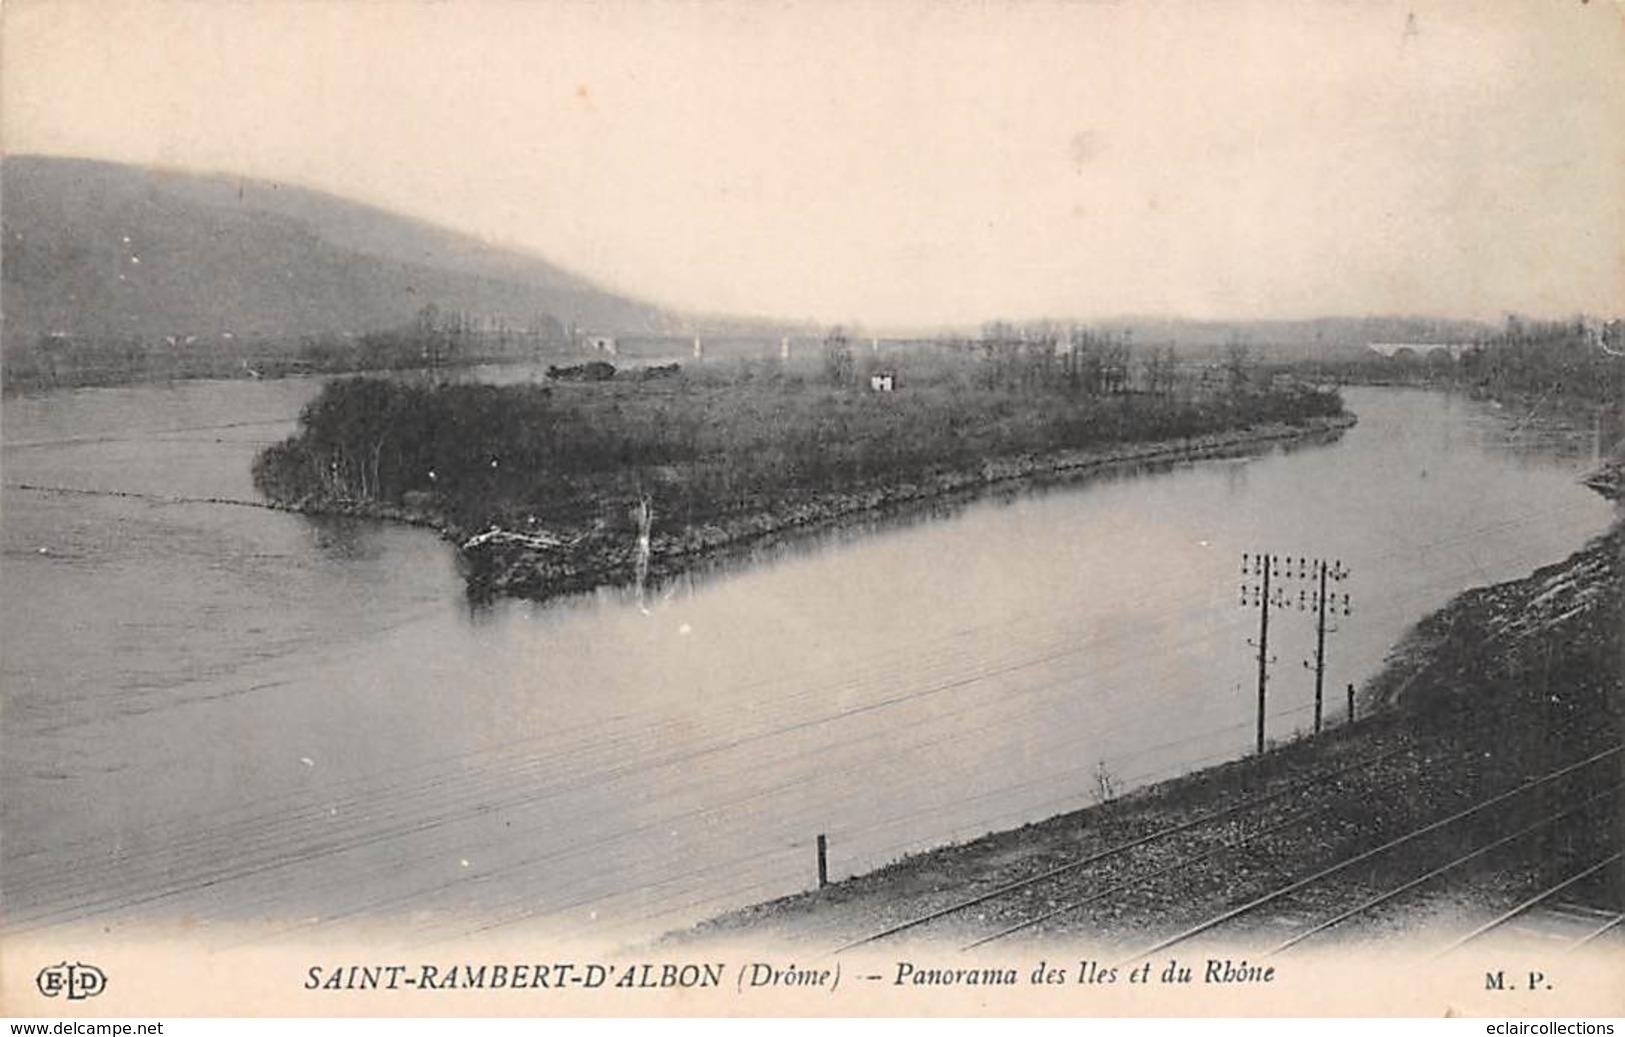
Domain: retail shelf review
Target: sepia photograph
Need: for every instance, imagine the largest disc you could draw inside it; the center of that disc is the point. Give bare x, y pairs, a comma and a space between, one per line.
774, 508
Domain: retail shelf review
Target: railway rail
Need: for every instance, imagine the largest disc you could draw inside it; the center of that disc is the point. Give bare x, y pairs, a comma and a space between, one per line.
1159, 836
1546, 920
1543, 803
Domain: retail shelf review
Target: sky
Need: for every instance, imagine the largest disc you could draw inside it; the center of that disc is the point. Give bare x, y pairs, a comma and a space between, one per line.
900, 163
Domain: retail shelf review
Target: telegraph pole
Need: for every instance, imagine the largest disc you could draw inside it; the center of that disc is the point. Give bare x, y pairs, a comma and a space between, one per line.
1267, 594
1323, 602
1261, 566
1263, 648
1320, 643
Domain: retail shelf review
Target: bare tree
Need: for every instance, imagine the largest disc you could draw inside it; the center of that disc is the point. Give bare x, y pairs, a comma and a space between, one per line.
1158, 367
839, 366
1238, 364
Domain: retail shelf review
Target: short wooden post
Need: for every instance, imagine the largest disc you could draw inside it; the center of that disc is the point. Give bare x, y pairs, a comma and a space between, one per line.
1351, 703
823, 862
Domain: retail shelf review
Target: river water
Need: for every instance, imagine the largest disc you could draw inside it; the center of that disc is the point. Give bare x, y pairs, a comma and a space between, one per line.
221, 714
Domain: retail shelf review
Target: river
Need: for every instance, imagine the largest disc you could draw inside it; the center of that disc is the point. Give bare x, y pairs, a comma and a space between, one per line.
228, 715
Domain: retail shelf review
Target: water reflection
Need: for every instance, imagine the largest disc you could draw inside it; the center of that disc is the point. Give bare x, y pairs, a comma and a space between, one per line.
1233, 462
344, 540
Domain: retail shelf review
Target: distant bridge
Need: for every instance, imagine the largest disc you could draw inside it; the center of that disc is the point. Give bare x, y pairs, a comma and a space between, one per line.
1421, 349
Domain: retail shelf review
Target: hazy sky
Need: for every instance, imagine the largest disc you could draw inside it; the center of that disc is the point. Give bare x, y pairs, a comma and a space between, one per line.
895, 162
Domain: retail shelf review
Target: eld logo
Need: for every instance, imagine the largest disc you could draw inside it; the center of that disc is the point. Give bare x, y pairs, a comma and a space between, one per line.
78, 980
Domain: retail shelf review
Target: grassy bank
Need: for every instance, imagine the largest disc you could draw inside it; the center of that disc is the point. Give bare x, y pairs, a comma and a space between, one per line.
573, 469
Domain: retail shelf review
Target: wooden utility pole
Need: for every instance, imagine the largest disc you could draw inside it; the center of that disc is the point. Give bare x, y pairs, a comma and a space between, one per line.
1263, 648
1261, 566
1323, 602
1271, 571
1320, 643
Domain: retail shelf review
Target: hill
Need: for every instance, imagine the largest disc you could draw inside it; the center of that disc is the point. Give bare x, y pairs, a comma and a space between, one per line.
100, 250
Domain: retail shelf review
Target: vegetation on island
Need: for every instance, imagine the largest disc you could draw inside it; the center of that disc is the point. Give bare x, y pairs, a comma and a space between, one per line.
708, 444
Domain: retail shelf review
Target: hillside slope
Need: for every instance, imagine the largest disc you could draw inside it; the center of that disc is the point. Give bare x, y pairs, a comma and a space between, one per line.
97, 249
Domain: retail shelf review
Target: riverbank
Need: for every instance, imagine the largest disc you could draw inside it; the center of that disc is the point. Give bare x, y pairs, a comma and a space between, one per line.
1504, 683
592, 558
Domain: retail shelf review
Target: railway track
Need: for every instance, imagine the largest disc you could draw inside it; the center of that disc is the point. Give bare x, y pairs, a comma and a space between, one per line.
1375, 870
1570, 924
1547, 917
1293, 903
1162, 842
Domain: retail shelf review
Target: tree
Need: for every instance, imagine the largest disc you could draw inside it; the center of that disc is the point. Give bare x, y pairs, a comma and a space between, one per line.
839, 366
1238, 364
1159, 366
1116, 358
